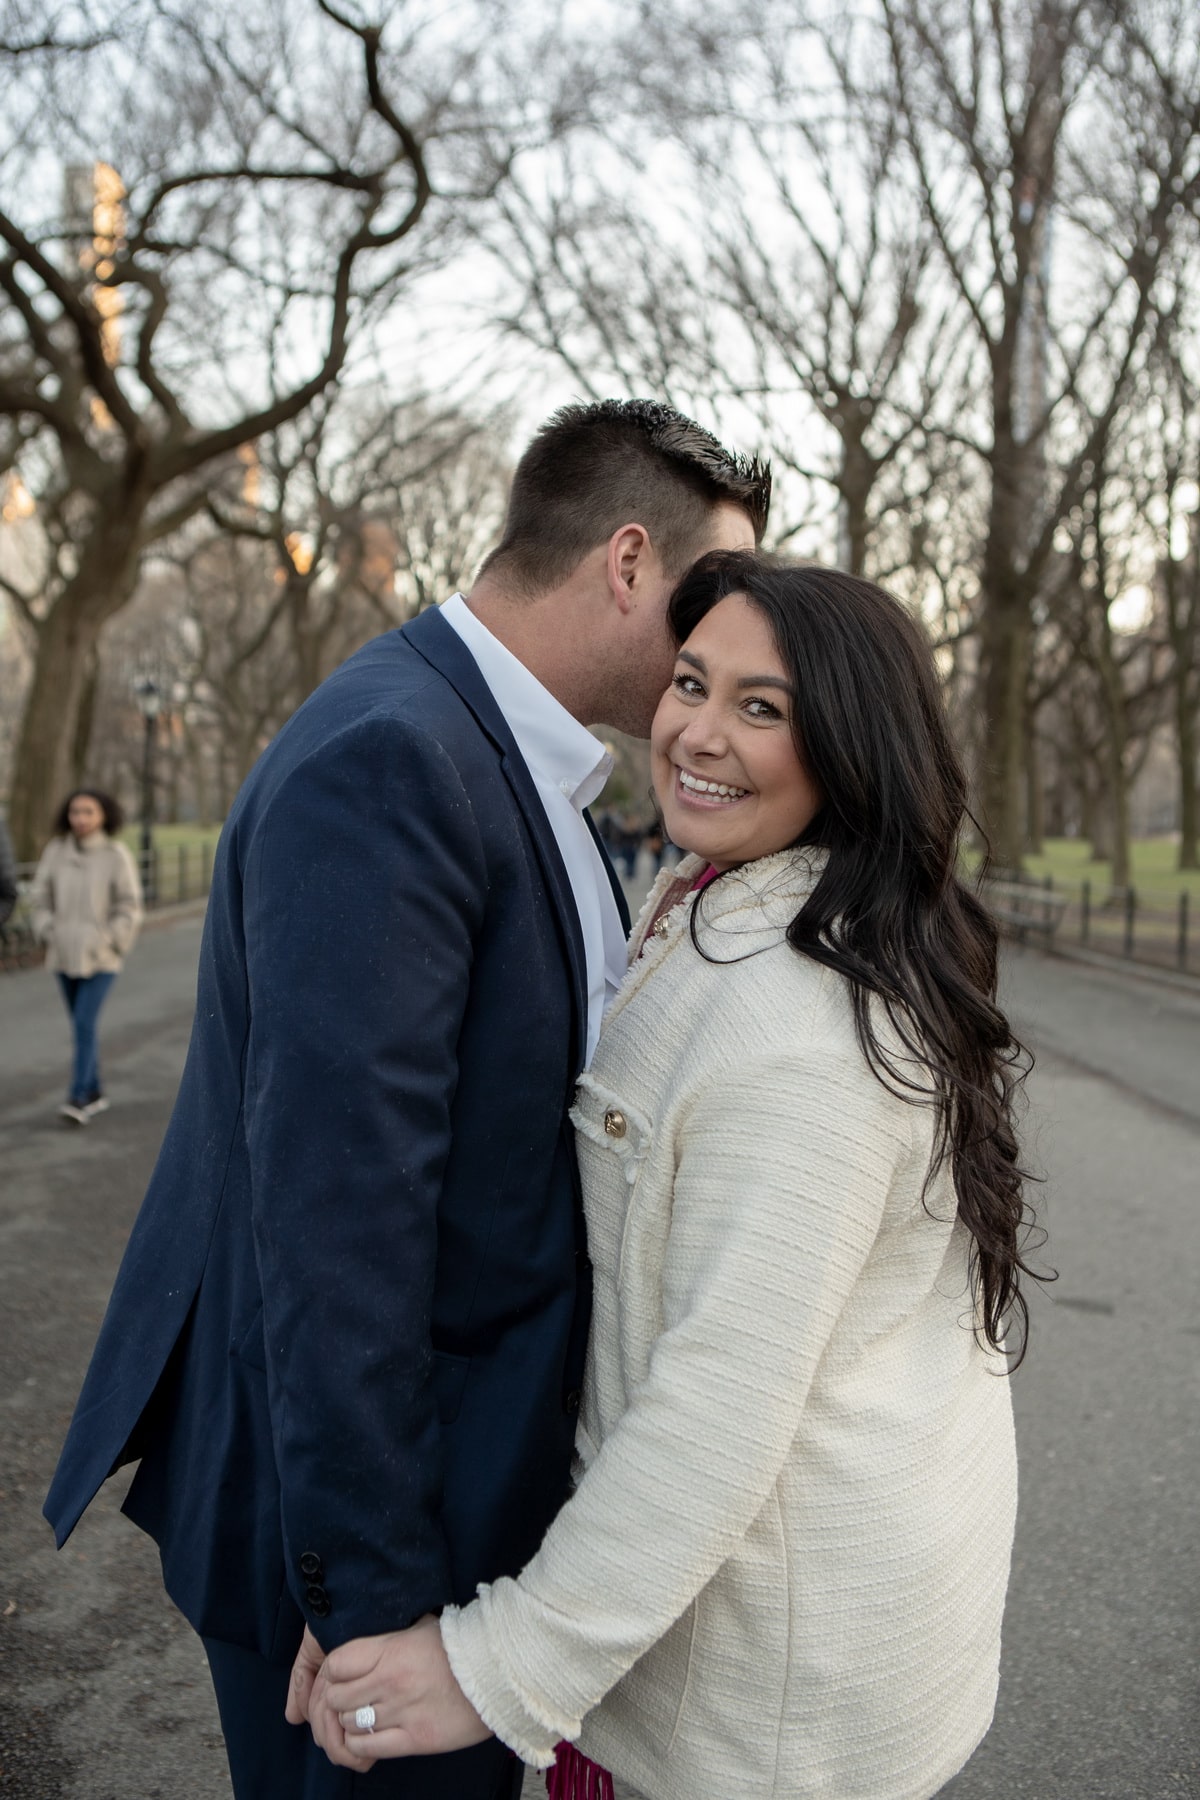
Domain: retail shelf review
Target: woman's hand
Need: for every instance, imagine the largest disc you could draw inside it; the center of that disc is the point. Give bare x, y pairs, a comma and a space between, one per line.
406, 1678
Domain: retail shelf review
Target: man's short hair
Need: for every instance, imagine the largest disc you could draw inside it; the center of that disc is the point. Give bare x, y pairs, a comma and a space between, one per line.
592, 469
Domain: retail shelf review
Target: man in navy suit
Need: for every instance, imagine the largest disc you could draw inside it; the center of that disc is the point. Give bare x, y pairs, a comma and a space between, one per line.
347, 1337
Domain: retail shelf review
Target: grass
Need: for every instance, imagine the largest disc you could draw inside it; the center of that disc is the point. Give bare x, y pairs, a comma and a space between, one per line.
185, 854
1157, 885
1156, 879
1158, 882
170, 837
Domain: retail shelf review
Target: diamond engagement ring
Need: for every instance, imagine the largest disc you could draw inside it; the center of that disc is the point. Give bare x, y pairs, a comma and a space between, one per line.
364, 1718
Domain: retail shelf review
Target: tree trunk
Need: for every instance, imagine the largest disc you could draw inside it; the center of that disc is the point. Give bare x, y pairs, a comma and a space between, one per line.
53, 725
1006, 621
82, 736
1005, 676
1189, 749
854, 510
306, 640
1055, 804
44, 764
1035, 797
1182, 585
1122, 862
1089, 813
201, 786
225, 780
1115, 713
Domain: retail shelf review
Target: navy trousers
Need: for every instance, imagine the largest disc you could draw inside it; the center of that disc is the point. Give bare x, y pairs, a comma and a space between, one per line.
272, 1760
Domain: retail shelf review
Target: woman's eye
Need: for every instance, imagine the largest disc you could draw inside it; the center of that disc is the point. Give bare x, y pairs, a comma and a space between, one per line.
762, 709
687, 685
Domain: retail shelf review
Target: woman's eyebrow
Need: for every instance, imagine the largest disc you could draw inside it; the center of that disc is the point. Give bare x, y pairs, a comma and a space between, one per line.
744, 681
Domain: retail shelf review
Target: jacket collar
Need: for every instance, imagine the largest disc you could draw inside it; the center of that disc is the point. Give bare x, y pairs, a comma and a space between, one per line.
556, 747
442, 648
770, 889
744, 912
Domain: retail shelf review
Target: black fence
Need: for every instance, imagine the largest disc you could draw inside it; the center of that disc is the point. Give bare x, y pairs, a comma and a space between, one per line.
1117, 922
169, 875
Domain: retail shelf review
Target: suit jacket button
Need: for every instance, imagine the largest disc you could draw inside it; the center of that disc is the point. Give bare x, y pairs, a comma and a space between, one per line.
571, 1402
311, 1566
614, 1123
318, 1600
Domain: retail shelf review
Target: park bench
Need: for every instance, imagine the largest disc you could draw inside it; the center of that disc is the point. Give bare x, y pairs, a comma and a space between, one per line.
1023, 906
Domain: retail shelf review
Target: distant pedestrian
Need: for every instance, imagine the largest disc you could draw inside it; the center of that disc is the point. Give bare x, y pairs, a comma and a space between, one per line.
87, 907
655, 845
8, 875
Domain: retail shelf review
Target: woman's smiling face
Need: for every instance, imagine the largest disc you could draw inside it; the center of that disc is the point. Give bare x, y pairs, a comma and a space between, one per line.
726, 771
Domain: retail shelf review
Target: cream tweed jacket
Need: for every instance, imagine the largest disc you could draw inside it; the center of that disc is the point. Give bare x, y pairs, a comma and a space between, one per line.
86, 904
783, 1570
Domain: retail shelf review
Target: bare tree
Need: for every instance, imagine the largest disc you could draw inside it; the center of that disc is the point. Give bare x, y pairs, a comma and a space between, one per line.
1175, 423
1123, 657
270, 181
1075, 119
341, 497
345, 523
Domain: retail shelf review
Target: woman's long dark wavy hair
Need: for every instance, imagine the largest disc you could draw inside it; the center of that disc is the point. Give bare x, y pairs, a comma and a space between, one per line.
889, 911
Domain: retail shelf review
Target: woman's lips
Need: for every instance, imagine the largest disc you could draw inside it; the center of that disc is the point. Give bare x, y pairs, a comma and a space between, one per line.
700, 790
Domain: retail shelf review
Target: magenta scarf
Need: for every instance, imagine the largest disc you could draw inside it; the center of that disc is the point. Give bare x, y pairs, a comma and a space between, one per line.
573, 1777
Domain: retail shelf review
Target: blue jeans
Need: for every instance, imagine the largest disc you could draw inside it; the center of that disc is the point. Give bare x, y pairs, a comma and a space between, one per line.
85, 995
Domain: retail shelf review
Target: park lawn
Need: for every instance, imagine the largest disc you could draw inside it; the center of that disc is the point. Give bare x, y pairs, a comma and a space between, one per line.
1156, 879
1068, 860
185, 857
169, 837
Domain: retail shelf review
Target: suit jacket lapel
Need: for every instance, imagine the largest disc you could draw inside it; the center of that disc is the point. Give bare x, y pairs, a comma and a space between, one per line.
614, 880
445, 651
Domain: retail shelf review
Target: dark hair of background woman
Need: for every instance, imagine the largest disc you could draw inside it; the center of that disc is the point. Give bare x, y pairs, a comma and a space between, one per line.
114, 815
889, 912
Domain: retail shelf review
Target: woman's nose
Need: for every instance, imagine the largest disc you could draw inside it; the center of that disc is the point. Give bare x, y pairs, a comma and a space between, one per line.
703, 735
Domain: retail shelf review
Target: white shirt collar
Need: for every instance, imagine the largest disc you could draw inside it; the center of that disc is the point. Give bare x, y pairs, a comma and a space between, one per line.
553, 743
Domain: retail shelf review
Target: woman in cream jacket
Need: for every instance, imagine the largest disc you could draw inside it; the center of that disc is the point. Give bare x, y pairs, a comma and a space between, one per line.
782, 1573
87, 907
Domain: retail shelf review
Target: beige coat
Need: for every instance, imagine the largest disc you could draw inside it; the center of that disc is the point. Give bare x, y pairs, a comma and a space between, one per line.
86, 903
783, 1571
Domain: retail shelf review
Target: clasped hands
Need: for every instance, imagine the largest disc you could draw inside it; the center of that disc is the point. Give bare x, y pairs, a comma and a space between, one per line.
404, 1676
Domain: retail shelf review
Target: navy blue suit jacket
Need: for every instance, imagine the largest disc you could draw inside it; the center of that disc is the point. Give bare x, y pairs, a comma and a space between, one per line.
347, 1336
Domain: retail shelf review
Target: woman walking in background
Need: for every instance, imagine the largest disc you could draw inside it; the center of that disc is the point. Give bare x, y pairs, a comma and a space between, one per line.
87, 906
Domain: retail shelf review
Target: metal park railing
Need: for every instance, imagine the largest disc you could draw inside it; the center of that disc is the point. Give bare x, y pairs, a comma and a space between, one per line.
1117, 922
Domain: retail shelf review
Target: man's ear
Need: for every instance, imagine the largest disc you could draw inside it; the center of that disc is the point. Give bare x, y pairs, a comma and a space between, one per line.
630, 554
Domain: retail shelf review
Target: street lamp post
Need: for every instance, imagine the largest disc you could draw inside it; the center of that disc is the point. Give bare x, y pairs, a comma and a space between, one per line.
149, 701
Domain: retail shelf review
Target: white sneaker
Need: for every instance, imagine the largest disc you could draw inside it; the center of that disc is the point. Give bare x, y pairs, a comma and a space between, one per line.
78, 1115
98, 1105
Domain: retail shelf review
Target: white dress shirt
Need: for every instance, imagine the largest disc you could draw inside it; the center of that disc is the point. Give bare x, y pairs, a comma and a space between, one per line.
569, 768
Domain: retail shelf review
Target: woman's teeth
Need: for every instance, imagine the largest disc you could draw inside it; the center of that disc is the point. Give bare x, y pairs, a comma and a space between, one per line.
716, 790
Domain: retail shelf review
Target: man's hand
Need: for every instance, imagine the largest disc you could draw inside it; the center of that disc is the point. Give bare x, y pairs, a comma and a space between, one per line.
405, 1676
305, 1670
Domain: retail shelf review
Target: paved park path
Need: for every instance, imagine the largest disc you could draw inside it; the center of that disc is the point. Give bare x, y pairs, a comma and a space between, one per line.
103, 1690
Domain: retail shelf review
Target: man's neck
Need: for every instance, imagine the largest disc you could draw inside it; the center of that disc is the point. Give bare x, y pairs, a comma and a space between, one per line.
539, 633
